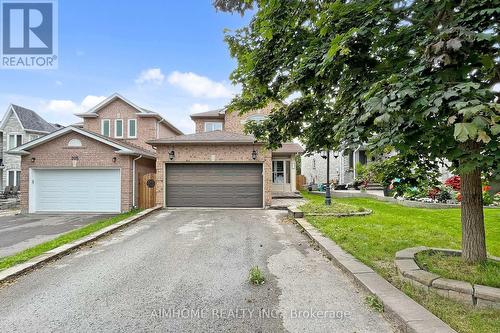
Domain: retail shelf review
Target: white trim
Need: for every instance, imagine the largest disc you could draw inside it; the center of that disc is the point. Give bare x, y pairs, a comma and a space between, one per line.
109, 127
15, 178
31, 192
116, 127
21, 149
11, 110
111, 99
212, 123
16, 134
128, 129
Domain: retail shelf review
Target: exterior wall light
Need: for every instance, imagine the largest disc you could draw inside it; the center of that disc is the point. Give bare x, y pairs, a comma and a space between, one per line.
33, 159
254, 155
114, 159
171, 155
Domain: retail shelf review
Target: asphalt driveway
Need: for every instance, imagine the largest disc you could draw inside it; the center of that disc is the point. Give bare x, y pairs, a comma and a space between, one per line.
187, 271
20, 232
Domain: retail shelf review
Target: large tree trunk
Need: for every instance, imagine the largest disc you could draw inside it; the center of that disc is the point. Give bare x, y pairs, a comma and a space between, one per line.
473, 236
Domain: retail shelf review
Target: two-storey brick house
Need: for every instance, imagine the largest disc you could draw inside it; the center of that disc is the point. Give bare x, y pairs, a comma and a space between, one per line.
220, 166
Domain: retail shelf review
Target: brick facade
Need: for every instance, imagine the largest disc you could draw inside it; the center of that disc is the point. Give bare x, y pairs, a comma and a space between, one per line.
234, 122
93, 154
148, 128
211, 154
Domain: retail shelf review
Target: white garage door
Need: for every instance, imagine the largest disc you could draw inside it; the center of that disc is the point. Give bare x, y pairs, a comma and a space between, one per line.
75, 190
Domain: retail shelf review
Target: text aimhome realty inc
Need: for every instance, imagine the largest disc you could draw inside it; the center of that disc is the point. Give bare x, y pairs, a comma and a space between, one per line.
245, 313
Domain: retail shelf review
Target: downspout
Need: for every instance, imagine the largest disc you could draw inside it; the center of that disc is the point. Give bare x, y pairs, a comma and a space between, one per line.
134, 204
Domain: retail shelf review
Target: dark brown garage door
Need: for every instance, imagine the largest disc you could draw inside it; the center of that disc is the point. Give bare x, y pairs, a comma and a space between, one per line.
214, 185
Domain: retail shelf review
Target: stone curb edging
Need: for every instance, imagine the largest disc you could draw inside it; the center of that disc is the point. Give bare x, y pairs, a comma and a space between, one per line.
409, 316
295, 212
465, 292
14, 271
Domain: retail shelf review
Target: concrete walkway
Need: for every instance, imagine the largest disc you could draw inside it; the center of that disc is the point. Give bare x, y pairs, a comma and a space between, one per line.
187, 271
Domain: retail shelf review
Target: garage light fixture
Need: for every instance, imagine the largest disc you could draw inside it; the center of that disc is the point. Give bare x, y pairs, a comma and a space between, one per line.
114, 159
254, 155
33, 160
171, 155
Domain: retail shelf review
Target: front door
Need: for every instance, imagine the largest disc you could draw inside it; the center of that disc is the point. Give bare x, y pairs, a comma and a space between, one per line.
281, 176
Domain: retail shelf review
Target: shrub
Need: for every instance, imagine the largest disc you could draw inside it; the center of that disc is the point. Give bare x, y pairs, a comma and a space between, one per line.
487, 199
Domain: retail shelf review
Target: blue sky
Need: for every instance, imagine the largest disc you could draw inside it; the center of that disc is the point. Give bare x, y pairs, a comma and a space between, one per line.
168, 56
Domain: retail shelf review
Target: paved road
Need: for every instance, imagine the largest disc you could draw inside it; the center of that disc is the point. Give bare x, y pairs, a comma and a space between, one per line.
187, 271
20, 232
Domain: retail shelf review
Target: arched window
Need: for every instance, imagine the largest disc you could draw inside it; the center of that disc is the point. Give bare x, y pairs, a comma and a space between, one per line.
74, 143
257, 118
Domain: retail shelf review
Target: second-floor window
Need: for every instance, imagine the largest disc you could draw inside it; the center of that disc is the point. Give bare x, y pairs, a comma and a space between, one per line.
15, 140
132, 128
213, 126
106, 127
118, 128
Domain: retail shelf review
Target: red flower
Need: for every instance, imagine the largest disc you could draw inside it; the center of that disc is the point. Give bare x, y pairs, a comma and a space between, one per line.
453, 182
486, 188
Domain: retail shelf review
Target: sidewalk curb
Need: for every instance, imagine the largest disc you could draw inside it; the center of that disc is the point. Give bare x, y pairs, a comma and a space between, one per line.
408, 315
19, 269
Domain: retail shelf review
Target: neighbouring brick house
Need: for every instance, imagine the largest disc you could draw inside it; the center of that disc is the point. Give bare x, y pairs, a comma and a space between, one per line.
19, 125
220, 166
96, 166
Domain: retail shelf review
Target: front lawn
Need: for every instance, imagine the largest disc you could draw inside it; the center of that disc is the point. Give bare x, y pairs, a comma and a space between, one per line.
375, 239
316, 204
68, 237
452, 267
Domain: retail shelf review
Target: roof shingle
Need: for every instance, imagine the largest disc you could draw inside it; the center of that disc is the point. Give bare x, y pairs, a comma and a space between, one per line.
31, 121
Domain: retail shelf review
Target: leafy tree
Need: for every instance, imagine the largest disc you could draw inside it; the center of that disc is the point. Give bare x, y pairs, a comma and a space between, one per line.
415, 74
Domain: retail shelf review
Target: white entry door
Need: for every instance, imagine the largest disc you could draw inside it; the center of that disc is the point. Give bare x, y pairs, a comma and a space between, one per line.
75, 190
281, 176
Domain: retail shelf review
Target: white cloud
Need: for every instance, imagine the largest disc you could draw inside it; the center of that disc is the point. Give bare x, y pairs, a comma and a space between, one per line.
90, 101
68, 106
200, 86
197, 107
151, 75
59, 105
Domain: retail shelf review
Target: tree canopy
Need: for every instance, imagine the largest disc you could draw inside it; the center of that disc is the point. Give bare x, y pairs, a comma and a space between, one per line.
414, 75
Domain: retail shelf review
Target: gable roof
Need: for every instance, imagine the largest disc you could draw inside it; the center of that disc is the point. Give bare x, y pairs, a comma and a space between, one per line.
219, 113
123, 148
141, 112
29, 120
214, 137
289, 148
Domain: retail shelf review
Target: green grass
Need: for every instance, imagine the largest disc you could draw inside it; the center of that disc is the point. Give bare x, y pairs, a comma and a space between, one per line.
375, 239
316, 204
452, 267
256, 276
73, 235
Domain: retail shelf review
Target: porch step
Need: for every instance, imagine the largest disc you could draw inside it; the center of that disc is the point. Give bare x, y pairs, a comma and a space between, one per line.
286, 195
